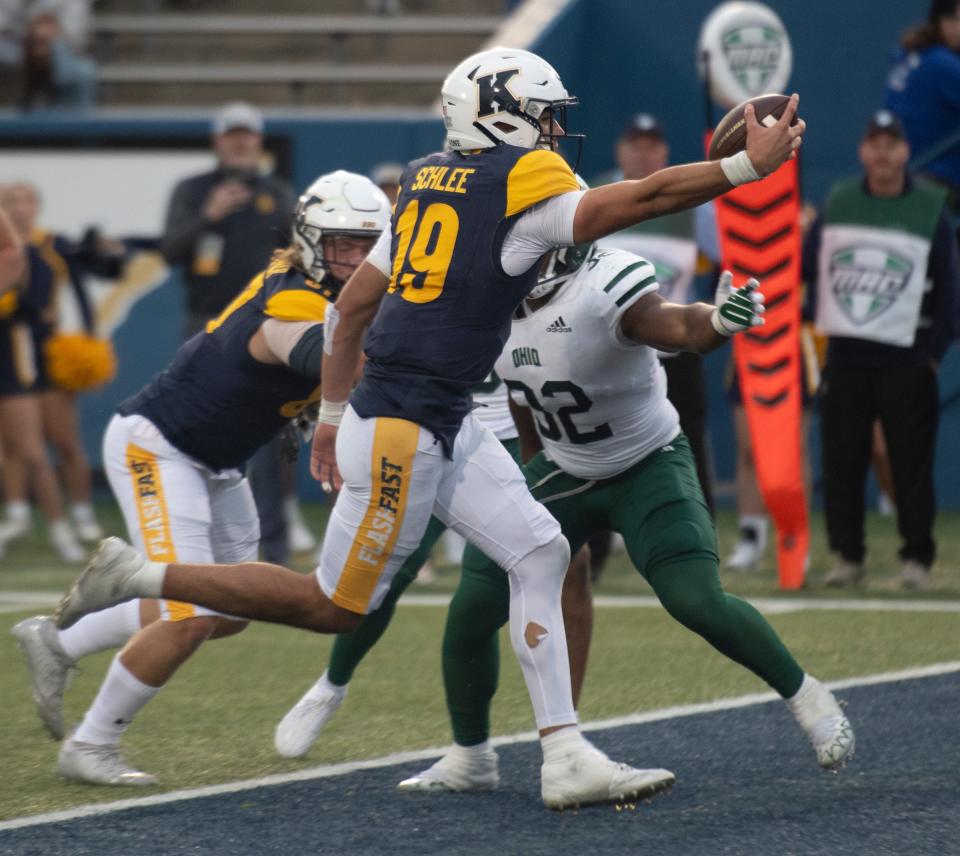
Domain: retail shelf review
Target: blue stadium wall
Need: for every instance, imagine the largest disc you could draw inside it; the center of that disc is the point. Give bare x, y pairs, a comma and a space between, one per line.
619, 56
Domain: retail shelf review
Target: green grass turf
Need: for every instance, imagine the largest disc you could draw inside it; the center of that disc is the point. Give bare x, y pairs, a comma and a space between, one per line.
215, 720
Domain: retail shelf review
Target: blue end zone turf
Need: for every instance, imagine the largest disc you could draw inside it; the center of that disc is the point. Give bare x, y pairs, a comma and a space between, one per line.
747, 784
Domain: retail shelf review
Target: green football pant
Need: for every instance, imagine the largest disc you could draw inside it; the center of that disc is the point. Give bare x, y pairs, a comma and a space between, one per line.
658, 508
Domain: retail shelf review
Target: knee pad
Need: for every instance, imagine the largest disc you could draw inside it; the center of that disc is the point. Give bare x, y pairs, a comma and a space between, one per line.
550, 559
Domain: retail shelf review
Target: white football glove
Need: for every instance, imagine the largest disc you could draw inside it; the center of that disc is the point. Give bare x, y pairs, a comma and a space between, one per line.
737, 309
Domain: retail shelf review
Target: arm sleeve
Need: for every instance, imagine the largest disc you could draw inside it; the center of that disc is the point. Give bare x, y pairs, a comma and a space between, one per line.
808, 268
379, 256
539, 230
183, 226
298, 344
944, 273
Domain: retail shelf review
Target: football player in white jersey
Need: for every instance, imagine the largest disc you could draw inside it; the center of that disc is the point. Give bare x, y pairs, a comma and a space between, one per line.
581, 362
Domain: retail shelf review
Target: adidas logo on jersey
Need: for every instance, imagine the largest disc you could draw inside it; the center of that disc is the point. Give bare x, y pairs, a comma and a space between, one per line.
559, 326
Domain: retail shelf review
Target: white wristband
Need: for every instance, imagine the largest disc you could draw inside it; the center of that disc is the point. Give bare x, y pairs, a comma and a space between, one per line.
738, 169
717, 323
331, 412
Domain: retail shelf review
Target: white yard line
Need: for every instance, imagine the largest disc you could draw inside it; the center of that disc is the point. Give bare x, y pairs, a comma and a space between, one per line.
15, 601
330, 770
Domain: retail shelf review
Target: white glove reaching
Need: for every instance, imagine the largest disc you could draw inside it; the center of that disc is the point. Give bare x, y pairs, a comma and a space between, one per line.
738, 309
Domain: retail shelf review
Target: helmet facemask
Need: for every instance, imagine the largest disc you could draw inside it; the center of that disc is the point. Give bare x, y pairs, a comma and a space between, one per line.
557, 267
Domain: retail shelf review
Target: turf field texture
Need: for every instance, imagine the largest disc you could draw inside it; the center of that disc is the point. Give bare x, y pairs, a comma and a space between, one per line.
214, 723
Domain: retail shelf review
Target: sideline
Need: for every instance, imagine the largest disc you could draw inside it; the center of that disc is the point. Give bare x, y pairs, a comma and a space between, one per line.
329, 770
16, 601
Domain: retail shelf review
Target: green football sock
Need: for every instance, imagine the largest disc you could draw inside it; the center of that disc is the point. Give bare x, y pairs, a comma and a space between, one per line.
350, 648
471, 652
691, 592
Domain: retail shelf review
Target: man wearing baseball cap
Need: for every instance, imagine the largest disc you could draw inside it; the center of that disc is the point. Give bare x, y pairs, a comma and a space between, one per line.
222, 227
881, 268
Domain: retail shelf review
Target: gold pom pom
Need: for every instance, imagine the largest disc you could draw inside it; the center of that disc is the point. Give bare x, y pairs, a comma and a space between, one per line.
77, 362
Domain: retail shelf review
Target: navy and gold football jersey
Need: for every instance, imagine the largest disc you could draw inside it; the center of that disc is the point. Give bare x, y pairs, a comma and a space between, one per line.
446, 315
215, 402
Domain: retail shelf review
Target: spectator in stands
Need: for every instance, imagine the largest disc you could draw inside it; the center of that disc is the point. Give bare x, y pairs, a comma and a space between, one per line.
222, 226
12, 24
55, 73
867, 259
25, 321
387, 177
923, 89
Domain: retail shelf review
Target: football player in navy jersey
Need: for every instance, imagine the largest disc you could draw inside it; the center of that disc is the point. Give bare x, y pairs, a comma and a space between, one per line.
173, 455
437, 294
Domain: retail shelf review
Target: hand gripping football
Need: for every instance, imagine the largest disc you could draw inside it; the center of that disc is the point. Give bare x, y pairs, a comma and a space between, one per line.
730, 136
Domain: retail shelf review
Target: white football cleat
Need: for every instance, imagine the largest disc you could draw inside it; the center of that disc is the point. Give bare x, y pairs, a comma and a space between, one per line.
106, 580
459, 770
298, 730
88, 531
49, 668
746, 556
588, 777
99, 765
10, 530
823, 720
64, 541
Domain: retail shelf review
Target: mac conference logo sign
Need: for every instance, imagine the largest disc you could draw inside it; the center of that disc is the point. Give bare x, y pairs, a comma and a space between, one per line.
753, 54
744, 50
866, 281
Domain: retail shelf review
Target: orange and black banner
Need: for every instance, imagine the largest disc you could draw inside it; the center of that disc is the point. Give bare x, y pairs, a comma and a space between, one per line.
760, 237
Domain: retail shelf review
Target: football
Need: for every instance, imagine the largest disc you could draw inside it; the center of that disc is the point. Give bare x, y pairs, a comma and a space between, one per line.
730, 135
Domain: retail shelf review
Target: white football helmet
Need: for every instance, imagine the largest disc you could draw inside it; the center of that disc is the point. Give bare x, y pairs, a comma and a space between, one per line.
497, 96
337, 203
559, 265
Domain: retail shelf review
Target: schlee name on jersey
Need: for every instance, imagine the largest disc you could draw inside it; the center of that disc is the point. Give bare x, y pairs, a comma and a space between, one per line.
525, 357
384, 519
442, 178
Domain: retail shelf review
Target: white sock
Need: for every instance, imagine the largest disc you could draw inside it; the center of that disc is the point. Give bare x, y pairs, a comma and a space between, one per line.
82, 512
148, 581
100, 631
291, 511
18, 512
806, 704
60, 532
323, 687
120, 698
759, 524
559, 745
535, 586
467, 755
